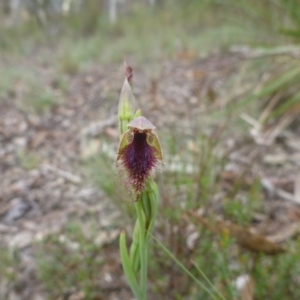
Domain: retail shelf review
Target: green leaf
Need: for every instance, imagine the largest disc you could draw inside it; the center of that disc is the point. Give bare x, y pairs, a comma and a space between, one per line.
188, 272
152, 192
283, 81
135, 248
287, 105
146, 206
128, 270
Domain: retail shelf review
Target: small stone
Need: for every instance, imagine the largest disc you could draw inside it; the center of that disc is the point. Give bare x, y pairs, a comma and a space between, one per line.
21, 240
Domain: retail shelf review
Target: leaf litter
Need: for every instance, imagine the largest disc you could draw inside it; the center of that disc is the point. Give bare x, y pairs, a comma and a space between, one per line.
43, 187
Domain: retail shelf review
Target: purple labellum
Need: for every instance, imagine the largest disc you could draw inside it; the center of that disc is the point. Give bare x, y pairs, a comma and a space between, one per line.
139, 159
139, 152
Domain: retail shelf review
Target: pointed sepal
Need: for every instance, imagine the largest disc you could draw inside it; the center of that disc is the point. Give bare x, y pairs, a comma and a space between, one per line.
126, 140
153, 141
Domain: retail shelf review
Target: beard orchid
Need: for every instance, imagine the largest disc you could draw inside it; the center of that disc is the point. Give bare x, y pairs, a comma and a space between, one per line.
139, 153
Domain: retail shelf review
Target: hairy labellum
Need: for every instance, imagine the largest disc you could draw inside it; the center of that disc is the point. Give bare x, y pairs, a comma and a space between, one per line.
139, 152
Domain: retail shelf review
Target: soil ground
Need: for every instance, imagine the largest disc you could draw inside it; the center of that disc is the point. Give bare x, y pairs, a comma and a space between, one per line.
43, 185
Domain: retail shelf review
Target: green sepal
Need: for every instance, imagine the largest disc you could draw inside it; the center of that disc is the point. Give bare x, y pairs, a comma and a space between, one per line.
153, 141
126, 139
137, 114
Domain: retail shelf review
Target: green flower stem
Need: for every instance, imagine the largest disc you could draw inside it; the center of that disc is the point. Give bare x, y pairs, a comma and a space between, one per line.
146, 209
135, 248
129, 272
143, 247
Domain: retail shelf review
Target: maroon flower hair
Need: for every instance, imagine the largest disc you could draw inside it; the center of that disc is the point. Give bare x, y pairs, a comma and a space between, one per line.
139, 153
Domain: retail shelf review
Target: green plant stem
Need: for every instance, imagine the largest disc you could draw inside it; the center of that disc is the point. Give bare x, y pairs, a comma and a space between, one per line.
143, 248
187, 271
129, 273
208, 281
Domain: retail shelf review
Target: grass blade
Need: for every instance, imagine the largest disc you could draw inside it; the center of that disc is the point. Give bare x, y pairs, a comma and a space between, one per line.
188, 272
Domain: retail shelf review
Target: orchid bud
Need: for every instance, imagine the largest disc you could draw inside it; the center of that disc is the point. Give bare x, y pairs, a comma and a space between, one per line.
126, 109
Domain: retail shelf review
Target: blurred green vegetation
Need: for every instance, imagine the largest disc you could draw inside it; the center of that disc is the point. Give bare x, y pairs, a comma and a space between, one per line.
70, 261
161, 30
150, 34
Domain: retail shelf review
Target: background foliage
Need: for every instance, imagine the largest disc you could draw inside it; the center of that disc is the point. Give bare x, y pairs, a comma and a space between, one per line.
254, 109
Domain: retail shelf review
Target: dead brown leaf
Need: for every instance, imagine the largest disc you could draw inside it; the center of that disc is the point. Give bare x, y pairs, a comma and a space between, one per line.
297, 188
244, 237
284, 233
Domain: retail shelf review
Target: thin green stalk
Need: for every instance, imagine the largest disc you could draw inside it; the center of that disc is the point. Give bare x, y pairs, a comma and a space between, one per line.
143, 249
224, 271
208, 281
129, 272
187, 271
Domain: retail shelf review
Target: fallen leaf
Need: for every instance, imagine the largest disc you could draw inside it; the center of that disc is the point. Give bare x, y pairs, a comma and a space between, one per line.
285, 233
244, 237
38, 139
297, 188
